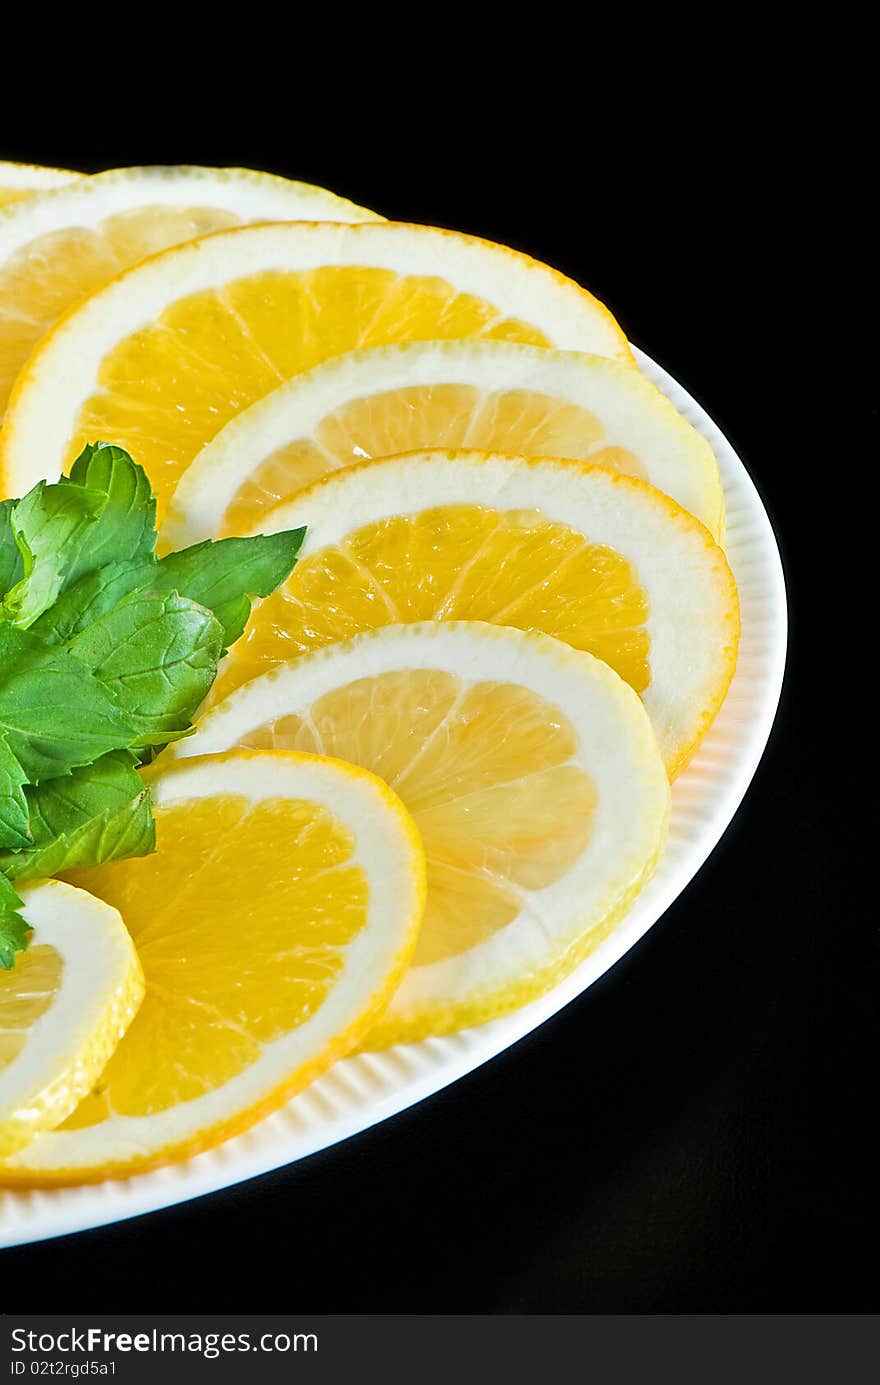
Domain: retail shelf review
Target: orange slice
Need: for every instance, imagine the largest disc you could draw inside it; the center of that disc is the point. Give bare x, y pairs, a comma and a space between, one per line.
64, 1006
601, 560
490, 395
273, 924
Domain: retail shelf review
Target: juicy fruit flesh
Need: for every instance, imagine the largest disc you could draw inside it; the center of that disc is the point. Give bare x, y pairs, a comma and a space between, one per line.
410, 419
485, 772
456, 562
241, 919
26, 992
45, 277
10, 195
167, 389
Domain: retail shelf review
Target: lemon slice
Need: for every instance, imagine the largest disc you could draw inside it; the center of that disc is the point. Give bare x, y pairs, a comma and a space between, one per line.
64, 1006
273, 924
57, 248
480, 394
167, 353
531, 772
599, 559
18, 181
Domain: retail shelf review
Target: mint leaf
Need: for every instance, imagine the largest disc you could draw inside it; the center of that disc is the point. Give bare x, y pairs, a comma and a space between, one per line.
51, 529
223, 575
11, 569
14, 932
157, 654
90, 598
13, 805
99, 813
103, 512
60, 806
126, 529
55, 714
106, 653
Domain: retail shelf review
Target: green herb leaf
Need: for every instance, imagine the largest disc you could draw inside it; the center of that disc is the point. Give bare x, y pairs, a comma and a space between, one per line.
157, 653
223, 575
11, 568
103, 512
51, 528
14, 932
106, 653
13, 805
90, 598
99, 813
126, 529
55, 714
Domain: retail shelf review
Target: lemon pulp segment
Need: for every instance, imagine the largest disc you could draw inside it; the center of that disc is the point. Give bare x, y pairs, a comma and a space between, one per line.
454, 562
232, 958
26, 994
484, 770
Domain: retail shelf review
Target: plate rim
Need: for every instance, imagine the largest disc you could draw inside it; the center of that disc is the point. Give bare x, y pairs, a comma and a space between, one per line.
42, 1214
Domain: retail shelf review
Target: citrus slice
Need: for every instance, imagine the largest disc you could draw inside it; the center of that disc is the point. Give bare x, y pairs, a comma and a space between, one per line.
481, 394
599, 559
57, 248
167, 353
64, 1006
18, 181
273, 924
531, 772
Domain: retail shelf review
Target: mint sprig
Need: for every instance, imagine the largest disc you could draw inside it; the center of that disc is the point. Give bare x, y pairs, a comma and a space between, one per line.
106, 653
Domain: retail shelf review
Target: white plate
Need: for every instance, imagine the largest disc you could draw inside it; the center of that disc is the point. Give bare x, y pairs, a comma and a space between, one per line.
361, 1091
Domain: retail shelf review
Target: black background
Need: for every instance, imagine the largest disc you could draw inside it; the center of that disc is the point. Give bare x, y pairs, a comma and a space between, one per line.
692, 1134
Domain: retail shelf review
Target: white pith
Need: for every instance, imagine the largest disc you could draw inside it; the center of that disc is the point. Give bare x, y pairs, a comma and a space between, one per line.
33, 176
97, 957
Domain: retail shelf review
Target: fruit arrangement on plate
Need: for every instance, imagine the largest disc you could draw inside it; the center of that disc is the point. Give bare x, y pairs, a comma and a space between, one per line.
359, 601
